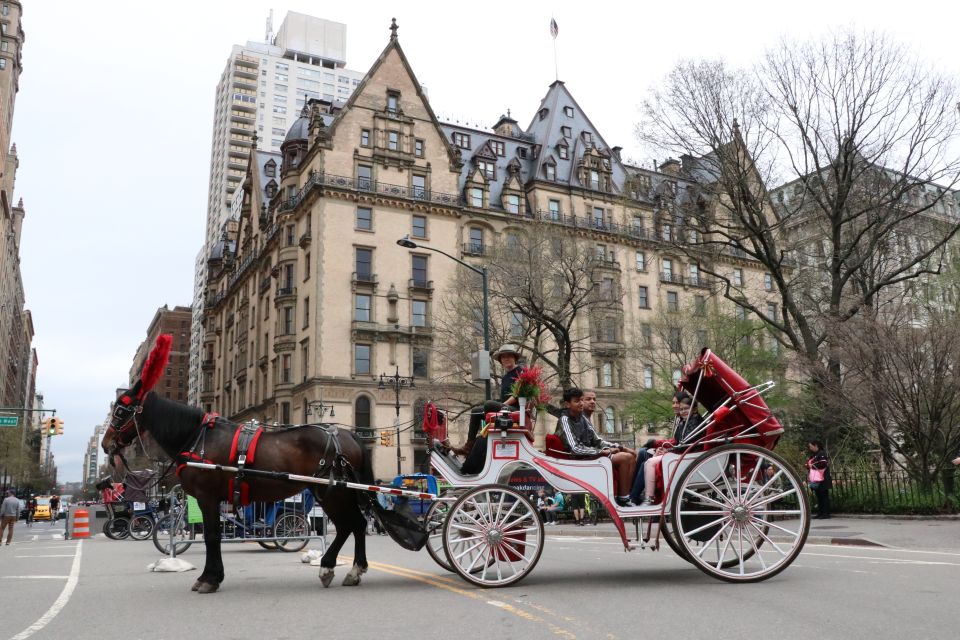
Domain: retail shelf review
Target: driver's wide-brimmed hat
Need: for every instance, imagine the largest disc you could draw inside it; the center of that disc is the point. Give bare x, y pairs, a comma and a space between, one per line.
505, 349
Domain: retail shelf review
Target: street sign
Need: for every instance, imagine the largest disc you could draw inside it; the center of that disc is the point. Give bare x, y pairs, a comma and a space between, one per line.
9, 421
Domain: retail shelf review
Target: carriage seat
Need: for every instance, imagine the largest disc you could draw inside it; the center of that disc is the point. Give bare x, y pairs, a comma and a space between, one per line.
553, 447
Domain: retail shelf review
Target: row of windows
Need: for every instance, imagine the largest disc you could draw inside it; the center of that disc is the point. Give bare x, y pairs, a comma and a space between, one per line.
363, 363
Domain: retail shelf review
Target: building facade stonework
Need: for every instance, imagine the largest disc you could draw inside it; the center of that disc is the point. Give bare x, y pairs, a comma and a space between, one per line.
309, 297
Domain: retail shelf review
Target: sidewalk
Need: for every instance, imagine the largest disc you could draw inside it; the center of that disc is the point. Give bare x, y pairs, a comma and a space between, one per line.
927, 533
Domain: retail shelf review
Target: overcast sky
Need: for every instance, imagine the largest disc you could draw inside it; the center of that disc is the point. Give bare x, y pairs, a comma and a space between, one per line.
114, 117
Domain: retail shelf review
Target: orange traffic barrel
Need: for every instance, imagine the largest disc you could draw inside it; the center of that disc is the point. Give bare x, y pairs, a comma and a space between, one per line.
81, 524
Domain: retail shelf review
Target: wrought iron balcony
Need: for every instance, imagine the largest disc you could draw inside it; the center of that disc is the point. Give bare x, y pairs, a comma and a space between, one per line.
474, 249
671, 278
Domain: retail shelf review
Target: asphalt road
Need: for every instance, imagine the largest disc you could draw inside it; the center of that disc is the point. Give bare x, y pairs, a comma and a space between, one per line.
582, 588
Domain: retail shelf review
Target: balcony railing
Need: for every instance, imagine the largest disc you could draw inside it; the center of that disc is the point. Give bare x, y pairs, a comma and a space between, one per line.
421, 283
474, 249
367, 184
700, 281
286, 291
364, 278
671, 278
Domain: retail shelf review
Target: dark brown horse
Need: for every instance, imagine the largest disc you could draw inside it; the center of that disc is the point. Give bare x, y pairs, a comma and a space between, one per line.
311, 450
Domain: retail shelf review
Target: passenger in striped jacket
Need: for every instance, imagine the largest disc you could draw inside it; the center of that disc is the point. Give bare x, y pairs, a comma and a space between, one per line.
582, 441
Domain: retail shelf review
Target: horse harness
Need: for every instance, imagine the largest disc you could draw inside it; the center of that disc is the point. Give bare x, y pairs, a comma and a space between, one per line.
243, 450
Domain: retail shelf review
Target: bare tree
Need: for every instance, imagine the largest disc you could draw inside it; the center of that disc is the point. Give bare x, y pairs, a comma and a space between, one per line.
902, 380
864, 137
547, 292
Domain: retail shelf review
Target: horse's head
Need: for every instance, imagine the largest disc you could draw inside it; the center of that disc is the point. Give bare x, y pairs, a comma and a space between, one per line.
123, 424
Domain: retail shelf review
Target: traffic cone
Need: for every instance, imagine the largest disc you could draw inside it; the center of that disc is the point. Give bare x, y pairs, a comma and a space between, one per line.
81, 524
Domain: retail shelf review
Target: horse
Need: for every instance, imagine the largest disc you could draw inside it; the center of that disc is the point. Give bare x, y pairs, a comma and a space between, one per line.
186, 433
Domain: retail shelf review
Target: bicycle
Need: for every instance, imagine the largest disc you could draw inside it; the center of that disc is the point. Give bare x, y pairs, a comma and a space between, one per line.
173, 529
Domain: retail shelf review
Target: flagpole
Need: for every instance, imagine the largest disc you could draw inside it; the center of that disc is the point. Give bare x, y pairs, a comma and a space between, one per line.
556, 73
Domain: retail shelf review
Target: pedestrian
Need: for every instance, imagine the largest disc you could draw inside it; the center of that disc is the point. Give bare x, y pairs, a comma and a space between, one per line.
31, 508
543, 504
818, 465
9, 512
54, 509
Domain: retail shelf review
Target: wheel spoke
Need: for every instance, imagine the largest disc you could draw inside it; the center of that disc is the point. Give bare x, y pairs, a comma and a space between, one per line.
525, 543
509, 513
459, 526
795, 534
774, 512
706, 526
723, 552
738, 472
767, 539
714, 486
710, 541
513, 523
707, 498
773, 498
470, 550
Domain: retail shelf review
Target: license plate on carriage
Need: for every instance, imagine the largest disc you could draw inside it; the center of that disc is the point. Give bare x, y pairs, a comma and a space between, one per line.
139, 506
506, 450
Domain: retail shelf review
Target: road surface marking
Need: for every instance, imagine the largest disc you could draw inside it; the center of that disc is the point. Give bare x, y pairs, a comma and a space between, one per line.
52, 555
61, 601
888, 560
35, 577
431, 580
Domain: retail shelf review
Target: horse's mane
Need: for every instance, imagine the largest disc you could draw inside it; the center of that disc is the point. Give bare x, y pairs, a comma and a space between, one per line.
169, 420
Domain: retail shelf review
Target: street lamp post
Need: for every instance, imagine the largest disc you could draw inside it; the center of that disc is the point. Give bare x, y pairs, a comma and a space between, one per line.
405, 241
398, 382
319, 409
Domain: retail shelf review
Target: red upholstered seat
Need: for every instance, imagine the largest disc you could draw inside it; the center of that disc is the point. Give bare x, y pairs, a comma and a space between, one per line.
554, 447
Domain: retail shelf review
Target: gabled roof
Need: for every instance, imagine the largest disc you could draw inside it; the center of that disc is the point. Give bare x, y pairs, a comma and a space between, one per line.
548, 132
393, 45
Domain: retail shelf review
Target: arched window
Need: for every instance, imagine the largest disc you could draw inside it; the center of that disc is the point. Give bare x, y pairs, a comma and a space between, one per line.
608, 420
361, 416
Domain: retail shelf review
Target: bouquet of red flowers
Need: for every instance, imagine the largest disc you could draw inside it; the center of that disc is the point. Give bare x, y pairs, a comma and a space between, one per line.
529, 384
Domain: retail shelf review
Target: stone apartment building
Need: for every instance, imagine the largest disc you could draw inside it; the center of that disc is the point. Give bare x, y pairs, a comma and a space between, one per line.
309, 297
175, 322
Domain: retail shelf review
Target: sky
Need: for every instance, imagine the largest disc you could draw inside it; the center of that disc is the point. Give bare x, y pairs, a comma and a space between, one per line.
114, 119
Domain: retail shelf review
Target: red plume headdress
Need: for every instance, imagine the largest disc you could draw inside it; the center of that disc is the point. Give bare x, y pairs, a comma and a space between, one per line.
153, 367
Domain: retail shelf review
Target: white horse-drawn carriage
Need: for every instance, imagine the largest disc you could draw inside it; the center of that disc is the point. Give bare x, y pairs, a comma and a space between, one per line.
726, 502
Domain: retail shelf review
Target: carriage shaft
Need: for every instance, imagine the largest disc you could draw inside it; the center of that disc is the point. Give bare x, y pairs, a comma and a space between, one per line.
294, 477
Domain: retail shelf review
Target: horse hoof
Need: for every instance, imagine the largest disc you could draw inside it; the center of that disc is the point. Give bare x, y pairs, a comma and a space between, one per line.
196, 585
326, 577
353, 578
208, 587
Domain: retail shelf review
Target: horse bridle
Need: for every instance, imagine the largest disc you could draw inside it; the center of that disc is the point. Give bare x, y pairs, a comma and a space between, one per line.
124, 424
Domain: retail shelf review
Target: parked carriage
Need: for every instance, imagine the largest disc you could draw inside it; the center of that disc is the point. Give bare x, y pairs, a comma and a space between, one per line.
727, 503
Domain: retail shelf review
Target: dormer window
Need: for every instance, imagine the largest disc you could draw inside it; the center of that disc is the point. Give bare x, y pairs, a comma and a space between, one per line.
567, 132
543, 113
271, 189
594, 180
587, 137
562, 152
393, 102
270, 169
522, 153
568, 111
498, 148
551, 172
461, 140
488, 168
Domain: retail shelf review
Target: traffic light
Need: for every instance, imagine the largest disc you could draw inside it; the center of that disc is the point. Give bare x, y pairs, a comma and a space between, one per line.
48, 426
386, 438
58, 426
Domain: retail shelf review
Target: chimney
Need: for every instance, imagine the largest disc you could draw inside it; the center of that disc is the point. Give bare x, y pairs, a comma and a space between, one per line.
671, 167
616, 152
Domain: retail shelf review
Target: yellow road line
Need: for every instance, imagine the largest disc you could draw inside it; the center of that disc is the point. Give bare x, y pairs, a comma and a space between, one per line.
444, 583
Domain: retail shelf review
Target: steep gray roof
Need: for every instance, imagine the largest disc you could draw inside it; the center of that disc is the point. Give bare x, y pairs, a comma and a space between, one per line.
262, 158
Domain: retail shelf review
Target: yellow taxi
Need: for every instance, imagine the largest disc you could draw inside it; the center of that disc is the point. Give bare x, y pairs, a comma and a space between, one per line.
43, 508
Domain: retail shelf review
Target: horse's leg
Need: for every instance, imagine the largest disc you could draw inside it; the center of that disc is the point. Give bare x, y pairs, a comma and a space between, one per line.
209, 581
334, 509
359, 529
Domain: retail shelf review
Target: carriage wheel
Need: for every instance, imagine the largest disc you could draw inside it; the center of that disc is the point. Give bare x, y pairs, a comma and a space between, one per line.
735, 519
433, 521
117, 528
493, 536
141, 527
183, 535
291, 531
